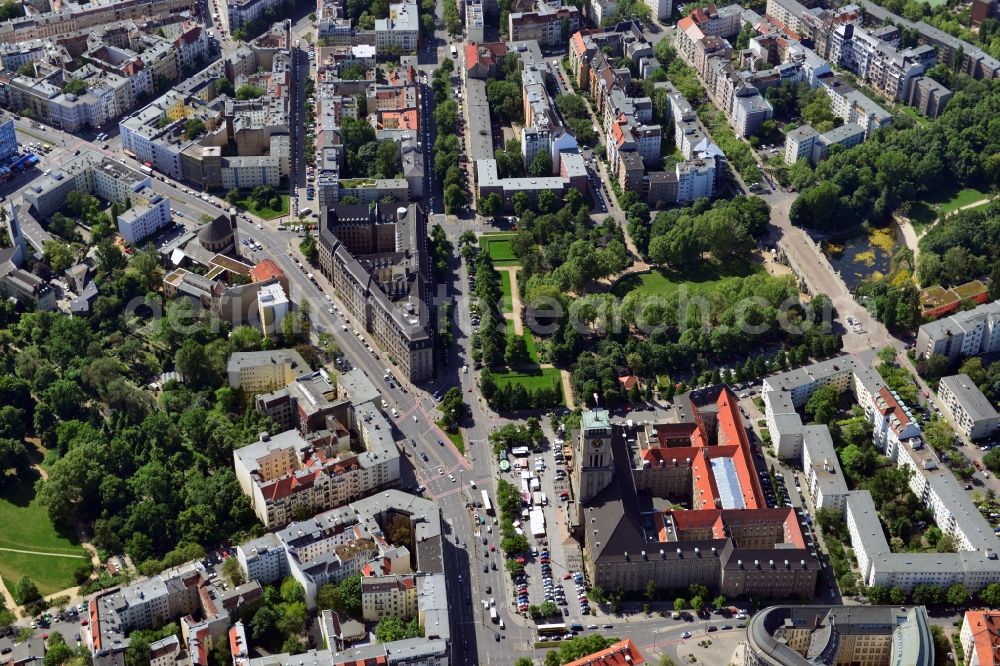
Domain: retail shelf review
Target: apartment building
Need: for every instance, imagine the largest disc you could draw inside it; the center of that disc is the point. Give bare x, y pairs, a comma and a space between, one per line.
393, 596
376, 258
826, 482
707, 21
67, 17
972, 411
970, 59
261, 371
349, 540
929, 96
303, 404
897, 434
241, 12
400, 29
164, 652
26, 288
980, 637
700, 40
789, 14
121, 65
542, 130
852, 106
475, 21
351, 455
367, 519
175, 594
107, 179
14, 55
632, 140
246, 142
728, 540
8, 140
968, 333
864, 635
549, 24
806, 143
272, 307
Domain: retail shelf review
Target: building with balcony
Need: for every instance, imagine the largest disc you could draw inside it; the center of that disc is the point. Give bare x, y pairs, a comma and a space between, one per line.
972, 411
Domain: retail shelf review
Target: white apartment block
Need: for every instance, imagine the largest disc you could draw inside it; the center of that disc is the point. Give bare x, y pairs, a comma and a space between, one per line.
144, 218
93, 173
661, 9
969, 333
175, 594
259, 372
349, 540
695, 180
973, 413
272, 306
824, 477
400, 29
852, 106
974, 565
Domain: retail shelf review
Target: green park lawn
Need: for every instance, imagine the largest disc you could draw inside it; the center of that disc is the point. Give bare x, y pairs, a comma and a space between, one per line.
500, 247
26, 526
962, 198
707, 277
529, 340
941, 203
266, 213
508, 304
530, 379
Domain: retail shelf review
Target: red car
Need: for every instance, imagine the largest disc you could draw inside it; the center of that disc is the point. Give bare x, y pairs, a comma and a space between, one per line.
567, 576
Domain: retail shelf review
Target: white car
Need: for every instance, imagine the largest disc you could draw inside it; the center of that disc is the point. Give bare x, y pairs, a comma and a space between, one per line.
686, 634
415, 419
451, 477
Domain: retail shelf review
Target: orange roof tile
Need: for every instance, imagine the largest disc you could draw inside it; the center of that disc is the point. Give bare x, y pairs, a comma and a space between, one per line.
985, 627
623, 653
266, 270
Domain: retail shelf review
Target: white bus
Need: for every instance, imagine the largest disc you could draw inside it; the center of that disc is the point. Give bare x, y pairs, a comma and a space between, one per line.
487, 504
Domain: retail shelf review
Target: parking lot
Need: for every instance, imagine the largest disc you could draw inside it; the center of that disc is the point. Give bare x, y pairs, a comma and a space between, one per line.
553, 567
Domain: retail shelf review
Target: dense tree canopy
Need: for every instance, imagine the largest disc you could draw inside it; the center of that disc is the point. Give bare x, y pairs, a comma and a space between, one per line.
870, 181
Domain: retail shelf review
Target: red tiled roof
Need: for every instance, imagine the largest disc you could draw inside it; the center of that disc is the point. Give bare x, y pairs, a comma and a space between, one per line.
628, 382
266, 270
623, 653
234, 641
576, 42
471, 55
985, 626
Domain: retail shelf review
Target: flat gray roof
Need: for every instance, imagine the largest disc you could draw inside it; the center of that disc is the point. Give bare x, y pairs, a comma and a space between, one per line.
969, 397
